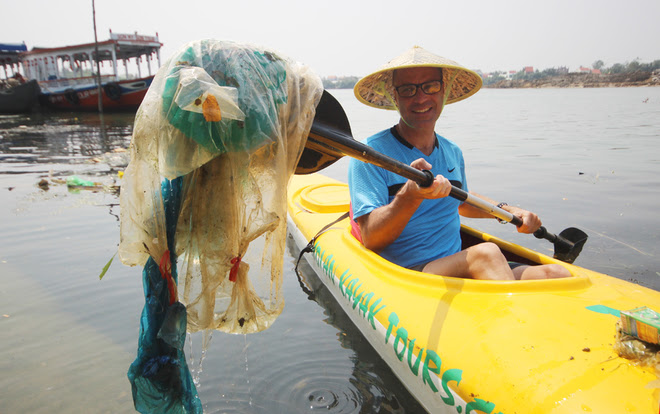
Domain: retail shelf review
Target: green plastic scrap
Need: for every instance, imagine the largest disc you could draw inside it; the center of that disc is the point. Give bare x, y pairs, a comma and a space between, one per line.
74, 181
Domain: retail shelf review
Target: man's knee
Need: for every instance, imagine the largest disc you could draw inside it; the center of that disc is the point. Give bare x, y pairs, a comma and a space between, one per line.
486, 262
489, 252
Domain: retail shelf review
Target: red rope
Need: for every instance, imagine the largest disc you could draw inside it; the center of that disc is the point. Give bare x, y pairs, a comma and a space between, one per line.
165, 267
236, 261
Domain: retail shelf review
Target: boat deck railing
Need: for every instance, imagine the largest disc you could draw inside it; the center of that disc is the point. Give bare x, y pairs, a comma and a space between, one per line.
63, 83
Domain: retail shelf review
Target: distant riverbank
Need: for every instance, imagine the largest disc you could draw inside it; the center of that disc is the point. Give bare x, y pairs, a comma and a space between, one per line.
583, 80
569, 80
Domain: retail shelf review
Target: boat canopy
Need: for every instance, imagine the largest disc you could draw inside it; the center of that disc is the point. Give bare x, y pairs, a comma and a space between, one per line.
51, 64
10, 56
13, 47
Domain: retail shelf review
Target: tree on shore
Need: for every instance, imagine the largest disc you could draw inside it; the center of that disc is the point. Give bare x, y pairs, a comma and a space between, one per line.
632, 67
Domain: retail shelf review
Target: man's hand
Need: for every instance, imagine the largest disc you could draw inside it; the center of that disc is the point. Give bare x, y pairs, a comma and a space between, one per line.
440, 188
531, 222
383, 225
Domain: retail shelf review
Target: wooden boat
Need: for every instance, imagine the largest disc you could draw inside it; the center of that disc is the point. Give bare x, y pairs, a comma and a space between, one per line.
16, 95
21, 98
123, 95
468, 346
67, 75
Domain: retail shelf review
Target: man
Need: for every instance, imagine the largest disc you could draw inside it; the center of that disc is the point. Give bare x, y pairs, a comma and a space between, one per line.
417, 227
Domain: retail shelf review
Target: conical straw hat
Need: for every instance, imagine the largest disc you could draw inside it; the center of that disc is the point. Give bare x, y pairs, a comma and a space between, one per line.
376, 89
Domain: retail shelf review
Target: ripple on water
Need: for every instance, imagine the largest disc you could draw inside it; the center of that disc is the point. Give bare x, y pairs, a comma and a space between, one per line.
318, 385
311, 374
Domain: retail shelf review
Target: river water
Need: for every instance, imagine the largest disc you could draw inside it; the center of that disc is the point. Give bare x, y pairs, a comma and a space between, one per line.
588, 158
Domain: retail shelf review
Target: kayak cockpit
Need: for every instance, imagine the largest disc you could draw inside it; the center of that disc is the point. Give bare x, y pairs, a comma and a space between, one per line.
324, 201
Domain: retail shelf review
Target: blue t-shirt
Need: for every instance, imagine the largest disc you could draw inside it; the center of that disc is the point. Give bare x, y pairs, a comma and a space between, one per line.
434, 229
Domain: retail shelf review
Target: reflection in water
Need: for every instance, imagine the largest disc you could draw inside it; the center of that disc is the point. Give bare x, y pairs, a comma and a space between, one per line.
373, 386
62, 138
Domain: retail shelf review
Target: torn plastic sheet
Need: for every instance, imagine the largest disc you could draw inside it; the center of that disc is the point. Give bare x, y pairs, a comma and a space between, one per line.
222, 127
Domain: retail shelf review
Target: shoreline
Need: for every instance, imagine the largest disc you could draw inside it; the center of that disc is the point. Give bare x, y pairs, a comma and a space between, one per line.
580, 80
569, 80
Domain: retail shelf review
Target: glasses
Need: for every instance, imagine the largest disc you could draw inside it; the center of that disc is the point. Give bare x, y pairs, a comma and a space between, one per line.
410, 89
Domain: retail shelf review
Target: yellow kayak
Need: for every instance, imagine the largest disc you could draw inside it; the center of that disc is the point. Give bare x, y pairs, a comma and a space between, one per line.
466, 346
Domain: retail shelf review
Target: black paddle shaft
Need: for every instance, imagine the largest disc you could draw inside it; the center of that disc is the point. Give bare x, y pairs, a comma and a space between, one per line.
327, 139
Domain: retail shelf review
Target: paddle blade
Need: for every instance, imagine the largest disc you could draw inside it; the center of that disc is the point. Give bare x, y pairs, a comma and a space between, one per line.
329, 114
312, 161
569, 244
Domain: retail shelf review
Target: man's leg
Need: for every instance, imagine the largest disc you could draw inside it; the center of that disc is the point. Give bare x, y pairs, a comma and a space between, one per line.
483, 261
550, 271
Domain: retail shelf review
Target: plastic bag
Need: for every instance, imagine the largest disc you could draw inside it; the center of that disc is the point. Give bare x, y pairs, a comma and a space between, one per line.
159, 376
215, 141
234, 168
75, 181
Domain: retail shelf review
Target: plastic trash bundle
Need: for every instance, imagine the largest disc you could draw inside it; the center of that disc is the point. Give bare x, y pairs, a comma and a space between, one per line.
635, 349
215, 141
159, 376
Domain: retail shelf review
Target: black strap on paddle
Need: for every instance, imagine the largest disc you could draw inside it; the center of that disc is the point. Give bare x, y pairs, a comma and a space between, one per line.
310, 246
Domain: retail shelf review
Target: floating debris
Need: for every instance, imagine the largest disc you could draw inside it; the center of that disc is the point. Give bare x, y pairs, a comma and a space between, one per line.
43, 184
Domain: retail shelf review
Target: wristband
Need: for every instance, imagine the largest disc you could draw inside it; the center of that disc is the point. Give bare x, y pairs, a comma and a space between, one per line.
500, 205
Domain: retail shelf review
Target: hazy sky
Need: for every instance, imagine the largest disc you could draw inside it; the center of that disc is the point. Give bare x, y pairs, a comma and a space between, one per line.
356, 37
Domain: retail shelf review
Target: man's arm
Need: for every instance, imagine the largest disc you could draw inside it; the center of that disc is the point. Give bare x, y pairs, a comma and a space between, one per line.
383, 225
531, 221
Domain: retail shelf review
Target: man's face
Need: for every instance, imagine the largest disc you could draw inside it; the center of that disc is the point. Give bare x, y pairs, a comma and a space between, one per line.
420, 110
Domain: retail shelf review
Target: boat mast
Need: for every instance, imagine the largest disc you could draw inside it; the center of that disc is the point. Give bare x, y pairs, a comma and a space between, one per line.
98, 75
98, 63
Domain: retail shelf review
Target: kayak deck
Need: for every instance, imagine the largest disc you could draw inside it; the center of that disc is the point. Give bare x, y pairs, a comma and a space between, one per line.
495, 346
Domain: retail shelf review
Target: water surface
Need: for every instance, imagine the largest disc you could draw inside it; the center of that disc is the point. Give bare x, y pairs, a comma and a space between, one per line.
578, 157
